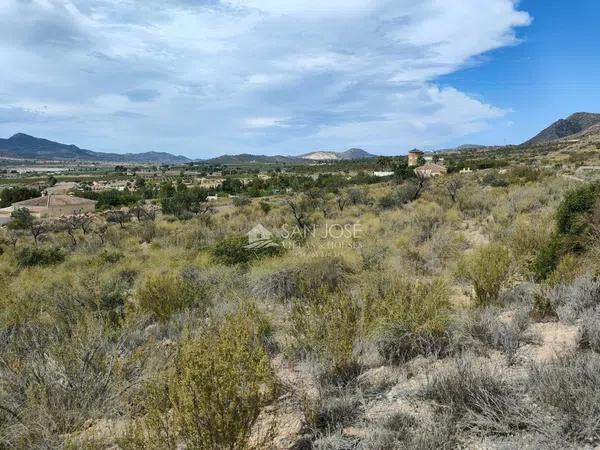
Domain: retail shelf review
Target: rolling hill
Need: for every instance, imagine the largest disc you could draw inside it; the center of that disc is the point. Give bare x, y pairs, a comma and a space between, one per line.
23, 146
246, 158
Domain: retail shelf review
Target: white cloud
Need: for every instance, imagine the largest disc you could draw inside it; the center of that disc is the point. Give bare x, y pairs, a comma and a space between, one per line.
305, 73
264, 122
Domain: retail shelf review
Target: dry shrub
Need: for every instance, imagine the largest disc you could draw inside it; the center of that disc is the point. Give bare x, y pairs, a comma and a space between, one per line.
477, 396
528, 237
589, 333
55, 376
406, 318
570, 387
403, 432
484, 327
164, 293
476, 202
297, 277
213, 396
574, 300
324, 329
487, 268
568, 269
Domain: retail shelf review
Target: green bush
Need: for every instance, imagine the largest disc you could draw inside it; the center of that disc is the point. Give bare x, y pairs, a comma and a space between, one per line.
408, 319
324, 329
576, 204
212, 399
265, 207
403, 194
487, 268
165, 293
547, 258
305, 278
240, 201
494, 180
578, 211
38, 256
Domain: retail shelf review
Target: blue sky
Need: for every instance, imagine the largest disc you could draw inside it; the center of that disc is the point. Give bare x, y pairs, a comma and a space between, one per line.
552, 73
208, 77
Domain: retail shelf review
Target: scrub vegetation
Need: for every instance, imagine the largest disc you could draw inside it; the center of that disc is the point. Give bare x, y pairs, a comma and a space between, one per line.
462, 311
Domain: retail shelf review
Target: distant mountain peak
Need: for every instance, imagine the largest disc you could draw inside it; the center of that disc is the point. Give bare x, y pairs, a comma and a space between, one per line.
24, 146
351, 154
564, 128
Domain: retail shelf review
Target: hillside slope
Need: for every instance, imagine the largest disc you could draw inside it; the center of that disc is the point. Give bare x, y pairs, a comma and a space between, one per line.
23, 146
348, 155
565, 128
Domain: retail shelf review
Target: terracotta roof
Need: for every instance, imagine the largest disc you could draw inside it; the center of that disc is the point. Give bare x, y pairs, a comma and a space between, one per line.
55, 200
431, 168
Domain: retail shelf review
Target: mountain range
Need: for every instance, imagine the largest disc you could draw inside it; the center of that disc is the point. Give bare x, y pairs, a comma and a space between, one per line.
23, 146
581, 129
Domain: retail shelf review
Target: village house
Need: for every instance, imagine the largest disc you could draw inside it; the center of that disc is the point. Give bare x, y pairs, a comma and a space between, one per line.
413, 157
431, 170
51, 206
209, 183
98, 186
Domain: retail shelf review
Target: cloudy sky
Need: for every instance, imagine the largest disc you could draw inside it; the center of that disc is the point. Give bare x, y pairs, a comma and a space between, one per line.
207, 77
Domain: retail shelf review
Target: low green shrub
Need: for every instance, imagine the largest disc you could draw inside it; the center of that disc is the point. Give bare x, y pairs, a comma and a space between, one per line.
38, 256
162, 294
241, 201
403, 194
324, 329
212, 398
487, 268
547, 258
578, 212
576, 205
406, 319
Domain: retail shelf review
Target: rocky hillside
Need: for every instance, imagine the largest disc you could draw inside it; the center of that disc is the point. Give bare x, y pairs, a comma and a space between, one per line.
566, 128
348, 155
